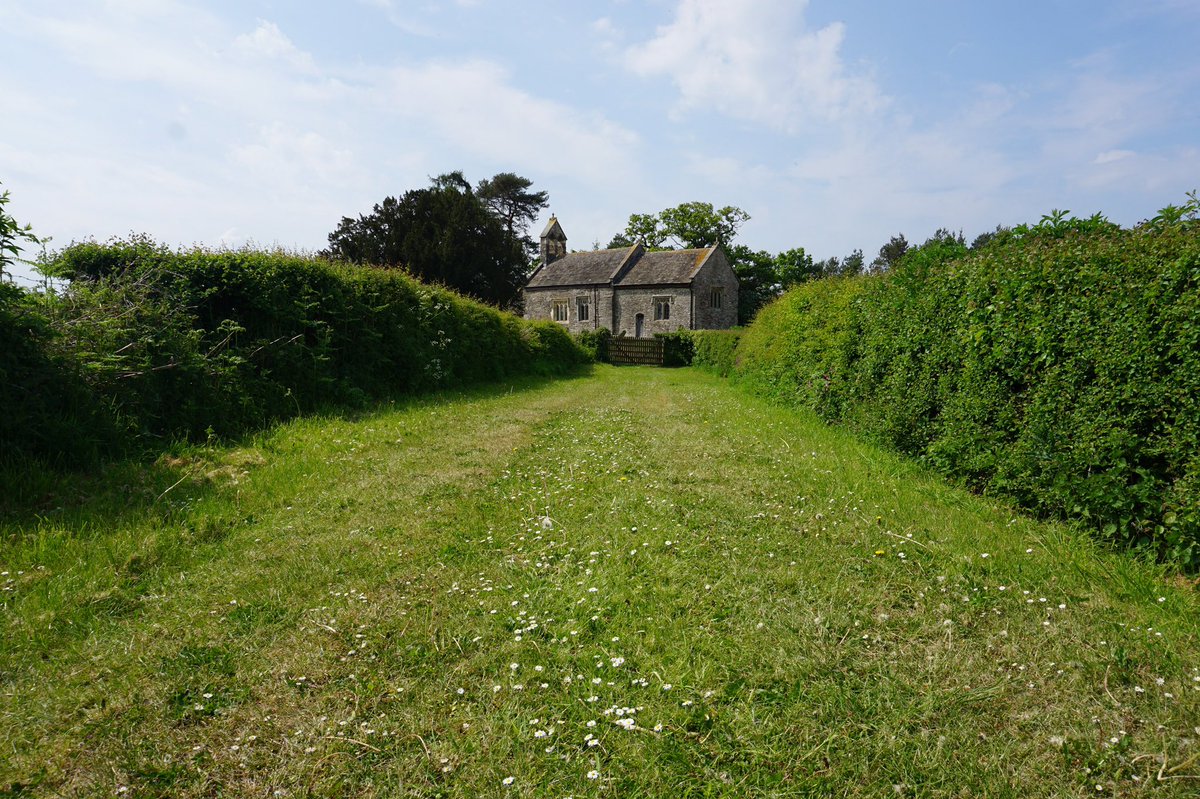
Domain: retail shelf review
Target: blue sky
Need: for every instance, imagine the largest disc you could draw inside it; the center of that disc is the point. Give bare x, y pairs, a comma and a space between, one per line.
833, 124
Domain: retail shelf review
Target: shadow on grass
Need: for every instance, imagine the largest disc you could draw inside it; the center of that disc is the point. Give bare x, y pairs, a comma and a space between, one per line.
110, 492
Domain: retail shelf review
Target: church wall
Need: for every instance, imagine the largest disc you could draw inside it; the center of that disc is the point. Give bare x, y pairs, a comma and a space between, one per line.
716, 274
629, 302
539, 305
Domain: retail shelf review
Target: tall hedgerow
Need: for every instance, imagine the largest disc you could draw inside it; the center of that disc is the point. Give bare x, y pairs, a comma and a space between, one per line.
797, 347
715, 350
46, 406
1059, 366
595, 343
148, 343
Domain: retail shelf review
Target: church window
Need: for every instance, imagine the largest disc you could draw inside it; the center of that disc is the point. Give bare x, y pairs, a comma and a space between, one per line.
662, 308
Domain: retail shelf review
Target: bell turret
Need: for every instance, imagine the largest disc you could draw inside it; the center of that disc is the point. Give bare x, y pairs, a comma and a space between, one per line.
554, 241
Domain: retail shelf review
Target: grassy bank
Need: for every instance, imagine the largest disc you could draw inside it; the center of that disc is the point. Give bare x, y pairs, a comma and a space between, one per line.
459, 595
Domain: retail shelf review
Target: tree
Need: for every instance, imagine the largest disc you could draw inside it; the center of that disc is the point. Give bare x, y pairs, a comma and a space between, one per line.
828, 267
890, 253
988, 236
693, 224
941, 247
619, 241
699, 224
761, 276
944, 235
758, 280
852, 264
795, 266
646, 228
11, 234
452, 181
444, 234
508, 197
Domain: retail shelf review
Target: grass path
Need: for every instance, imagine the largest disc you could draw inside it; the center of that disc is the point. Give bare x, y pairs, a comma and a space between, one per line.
636, 583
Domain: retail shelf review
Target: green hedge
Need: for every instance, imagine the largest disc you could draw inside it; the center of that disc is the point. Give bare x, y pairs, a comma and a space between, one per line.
149, 343
711, 350
678, 348
715, 350
46, 406
1059, 366
595, 343
796, 348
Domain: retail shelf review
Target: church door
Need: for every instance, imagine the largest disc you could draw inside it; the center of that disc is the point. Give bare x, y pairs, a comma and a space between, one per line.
637, 323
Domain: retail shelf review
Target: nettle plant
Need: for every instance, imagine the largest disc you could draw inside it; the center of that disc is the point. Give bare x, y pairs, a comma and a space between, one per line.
1175, 216
1059, 223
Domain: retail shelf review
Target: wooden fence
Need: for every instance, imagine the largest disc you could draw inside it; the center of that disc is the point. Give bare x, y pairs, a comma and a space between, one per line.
626, 351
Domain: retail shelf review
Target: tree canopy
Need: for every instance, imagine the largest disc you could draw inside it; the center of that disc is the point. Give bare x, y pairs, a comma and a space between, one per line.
619, 241
508, 197
890, 253
692, 224
473, 241
795, 266
758, 279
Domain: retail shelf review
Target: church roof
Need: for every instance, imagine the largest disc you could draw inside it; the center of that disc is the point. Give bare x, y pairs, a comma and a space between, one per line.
626, 266
598, 267
666, 267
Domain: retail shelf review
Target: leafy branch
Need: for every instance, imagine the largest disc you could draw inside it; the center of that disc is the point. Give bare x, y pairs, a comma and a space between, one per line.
11, 234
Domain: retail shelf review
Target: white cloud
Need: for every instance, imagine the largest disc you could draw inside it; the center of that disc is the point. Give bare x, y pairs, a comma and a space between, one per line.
1150, 174
227, 135
474, 105
168, 117
755, 60
122, 46
232, 238
1111, 156
1092, 127
1090, 102
604, 27
402, 21
864, 165
284, 157
267, 41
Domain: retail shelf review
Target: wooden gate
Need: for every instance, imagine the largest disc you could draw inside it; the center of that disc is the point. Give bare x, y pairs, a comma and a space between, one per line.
626, 351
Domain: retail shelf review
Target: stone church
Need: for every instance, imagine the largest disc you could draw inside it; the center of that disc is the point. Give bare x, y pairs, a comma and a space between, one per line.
630, 290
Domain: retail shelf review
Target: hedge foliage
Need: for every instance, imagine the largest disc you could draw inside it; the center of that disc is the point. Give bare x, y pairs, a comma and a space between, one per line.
1059, 366
715, 350
149, 343
595, 343
677, 347
711, 350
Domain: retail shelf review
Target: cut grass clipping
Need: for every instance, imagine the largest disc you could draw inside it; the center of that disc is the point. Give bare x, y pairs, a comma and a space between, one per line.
637, 583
